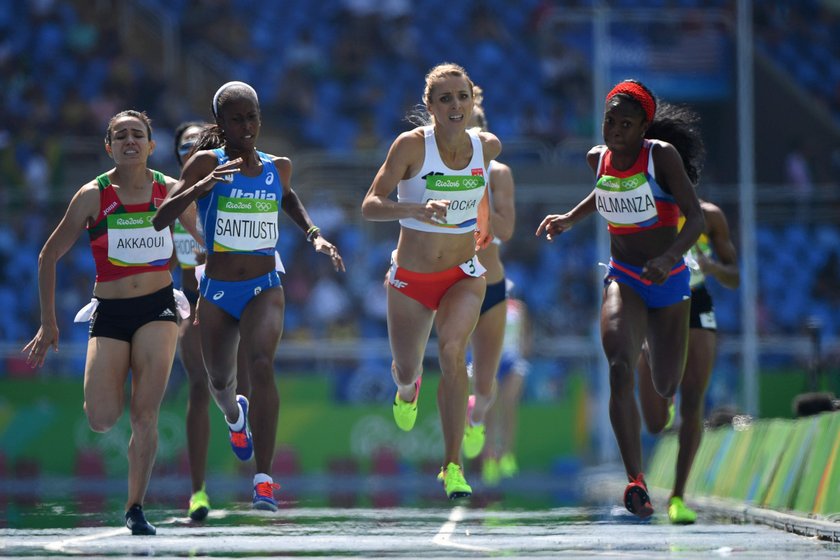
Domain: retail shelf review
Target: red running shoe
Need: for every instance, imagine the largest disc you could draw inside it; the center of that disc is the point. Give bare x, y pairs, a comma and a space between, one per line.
636, 498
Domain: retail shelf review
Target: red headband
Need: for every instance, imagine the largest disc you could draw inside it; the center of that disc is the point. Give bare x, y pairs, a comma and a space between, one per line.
638, 93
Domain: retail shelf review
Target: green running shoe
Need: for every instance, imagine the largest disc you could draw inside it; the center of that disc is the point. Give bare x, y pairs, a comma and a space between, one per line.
508, 466
405, 413
490, 472
454, 482
199, 505
672, 414
679, 513
473, 434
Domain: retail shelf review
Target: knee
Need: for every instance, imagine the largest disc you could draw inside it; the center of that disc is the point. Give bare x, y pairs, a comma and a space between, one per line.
406, 375
452, 353
101, 419
656, 425
621, 376
198, 386
144, 421
666, 388
261, 369
691, 406
221, 384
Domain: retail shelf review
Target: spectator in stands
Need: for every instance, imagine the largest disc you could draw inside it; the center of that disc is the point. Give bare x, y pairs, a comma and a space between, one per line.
239, 192
799, 176
713, 256
133, 316
439, 171
642, 185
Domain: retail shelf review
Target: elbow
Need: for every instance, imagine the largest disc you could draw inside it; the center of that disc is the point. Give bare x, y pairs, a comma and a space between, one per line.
504, 235
701, 222
164, 217
46, 258
366, 210
158, 223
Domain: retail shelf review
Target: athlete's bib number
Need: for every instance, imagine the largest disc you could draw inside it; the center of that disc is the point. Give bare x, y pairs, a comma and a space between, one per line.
473, 268
463, 192
132, 241
245, 224
185, 246
627, 201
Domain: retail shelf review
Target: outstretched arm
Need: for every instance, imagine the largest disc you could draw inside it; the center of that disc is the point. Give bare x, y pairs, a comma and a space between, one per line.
293, 207
555, 224
82, 209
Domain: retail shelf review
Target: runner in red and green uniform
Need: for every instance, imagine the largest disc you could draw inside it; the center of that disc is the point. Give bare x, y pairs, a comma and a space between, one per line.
133, 315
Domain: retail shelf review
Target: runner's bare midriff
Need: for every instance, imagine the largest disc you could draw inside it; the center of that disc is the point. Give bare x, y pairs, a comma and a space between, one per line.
235, 267
421, 251
133, 286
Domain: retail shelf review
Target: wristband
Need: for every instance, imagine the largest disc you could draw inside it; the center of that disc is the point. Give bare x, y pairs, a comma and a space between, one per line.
312, 233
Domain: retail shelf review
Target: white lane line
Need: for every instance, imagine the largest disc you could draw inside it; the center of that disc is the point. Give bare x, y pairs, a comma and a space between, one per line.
64, 544
444, 535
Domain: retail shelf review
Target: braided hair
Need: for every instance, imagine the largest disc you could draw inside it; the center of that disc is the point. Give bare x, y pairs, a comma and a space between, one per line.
679, 126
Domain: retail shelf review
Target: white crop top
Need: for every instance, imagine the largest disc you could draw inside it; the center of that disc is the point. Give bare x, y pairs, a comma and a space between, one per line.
435, 181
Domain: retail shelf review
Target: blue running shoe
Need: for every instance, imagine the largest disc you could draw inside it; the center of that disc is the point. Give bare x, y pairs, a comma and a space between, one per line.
241, 441
264, 496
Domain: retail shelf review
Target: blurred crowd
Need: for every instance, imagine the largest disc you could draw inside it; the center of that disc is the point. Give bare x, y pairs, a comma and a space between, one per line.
339, 76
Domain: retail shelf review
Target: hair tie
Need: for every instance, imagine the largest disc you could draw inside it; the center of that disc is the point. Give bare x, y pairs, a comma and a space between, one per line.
638, 93
224, 87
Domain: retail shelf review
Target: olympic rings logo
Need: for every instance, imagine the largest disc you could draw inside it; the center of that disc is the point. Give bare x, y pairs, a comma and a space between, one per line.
263, 206
632, 182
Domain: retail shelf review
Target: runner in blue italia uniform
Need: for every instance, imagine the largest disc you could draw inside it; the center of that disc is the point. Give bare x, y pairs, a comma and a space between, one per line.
642, 185
239, 191
187, 251
439, 171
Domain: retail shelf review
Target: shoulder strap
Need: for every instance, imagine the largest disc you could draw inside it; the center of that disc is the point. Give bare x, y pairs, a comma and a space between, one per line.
651, 168
601, 163
158, 177
103, 181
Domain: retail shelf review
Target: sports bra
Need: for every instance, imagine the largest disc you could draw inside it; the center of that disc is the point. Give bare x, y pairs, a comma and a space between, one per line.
241, 216
631, 200
122, 239
435, 181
